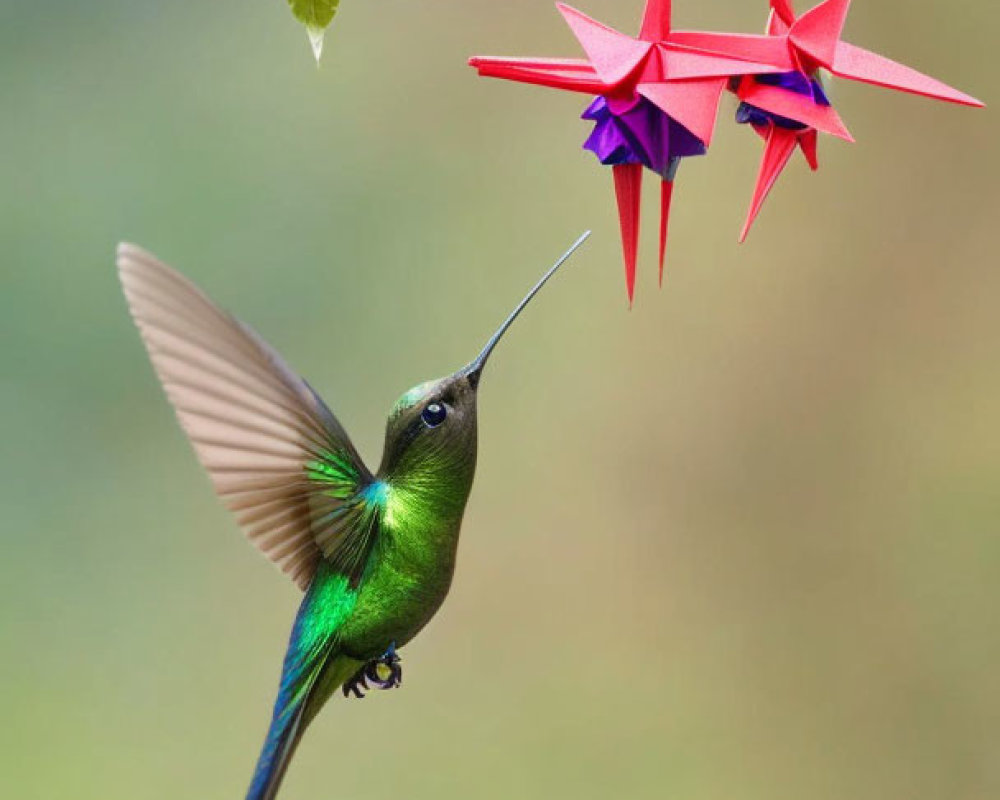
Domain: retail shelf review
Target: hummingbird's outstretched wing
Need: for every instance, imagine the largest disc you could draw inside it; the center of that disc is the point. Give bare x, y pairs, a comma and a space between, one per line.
275, 453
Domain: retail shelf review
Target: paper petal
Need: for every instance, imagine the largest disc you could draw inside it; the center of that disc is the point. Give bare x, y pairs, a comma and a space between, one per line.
784, 10
666, 195
614, 55
655, 21
796, 107
554, 64
778, 150
628, 191
682, 63
574, 75
862, 65
818, 31
777, 26
771, 50
694, 104
809, 142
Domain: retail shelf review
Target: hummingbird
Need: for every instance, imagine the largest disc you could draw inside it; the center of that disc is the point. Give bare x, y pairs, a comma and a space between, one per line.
373, 552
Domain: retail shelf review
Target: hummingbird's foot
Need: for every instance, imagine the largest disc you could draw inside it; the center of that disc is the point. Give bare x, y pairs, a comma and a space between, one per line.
382, 673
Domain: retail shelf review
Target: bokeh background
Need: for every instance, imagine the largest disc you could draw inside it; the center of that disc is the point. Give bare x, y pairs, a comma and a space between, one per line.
742, 542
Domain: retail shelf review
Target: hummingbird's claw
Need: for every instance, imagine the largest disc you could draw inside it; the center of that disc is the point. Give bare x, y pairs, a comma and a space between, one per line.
382, 673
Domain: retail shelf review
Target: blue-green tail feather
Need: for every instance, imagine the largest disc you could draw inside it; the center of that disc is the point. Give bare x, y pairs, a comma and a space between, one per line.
288, 720
310, 674
283, 736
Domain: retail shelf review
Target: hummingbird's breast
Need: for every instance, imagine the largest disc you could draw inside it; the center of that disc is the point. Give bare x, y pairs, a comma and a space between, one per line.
408, 577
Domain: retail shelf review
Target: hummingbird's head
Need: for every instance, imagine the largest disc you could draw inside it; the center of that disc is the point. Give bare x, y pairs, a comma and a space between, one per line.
431, 432
433, 425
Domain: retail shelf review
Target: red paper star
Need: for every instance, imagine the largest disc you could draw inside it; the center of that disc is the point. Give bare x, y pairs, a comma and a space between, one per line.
685, 82
805, 44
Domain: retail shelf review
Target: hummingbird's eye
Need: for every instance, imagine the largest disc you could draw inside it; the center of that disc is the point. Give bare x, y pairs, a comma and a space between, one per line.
433, 415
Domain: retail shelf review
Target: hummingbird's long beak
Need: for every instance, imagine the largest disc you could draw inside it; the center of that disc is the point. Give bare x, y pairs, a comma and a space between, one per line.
475, 370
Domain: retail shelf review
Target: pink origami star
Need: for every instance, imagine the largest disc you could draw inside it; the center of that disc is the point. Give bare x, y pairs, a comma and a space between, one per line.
658, 95
682, 83
781, 109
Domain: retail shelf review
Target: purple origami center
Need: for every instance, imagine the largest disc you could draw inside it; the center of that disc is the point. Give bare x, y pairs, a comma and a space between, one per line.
639, 133
796, 82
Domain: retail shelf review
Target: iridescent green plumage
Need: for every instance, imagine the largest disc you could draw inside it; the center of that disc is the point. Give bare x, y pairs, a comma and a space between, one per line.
375, 553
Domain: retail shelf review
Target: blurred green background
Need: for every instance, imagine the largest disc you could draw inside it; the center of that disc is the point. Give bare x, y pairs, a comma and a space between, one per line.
741, 542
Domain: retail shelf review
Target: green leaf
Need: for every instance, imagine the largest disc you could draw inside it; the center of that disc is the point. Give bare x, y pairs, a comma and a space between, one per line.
316, 15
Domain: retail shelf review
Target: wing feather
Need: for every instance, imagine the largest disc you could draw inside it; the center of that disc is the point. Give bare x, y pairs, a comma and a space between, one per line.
255, 425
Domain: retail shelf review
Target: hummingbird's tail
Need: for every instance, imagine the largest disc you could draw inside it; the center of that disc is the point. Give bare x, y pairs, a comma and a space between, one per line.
299, 699
314, 667
279, 746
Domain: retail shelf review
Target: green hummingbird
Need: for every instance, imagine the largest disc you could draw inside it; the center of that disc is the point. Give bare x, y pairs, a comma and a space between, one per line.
373, 552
